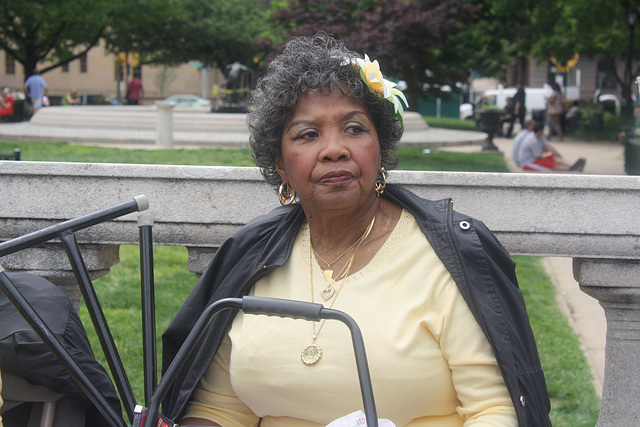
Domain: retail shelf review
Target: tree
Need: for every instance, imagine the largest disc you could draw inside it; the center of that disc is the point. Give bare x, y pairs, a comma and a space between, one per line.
407, 38
213, 32
163, 78
55, 32
51, 31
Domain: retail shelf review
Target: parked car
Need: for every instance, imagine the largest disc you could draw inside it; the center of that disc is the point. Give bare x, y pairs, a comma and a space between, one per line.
188, 101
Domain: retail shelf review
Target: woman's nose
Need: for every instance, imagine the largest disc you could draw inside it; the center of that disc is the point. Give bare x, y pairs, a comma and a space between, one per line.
334, 148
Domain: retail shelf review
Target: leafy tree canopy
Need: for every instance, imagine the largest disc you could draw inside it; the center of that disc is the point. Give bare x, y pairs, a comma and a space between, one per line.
427, 43
50, 33
56, 30
215, 33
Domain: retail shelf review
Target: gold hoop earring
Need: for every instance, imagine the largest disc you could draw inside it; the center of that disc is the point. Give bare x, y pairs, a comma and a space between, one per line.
381, 183
286, 194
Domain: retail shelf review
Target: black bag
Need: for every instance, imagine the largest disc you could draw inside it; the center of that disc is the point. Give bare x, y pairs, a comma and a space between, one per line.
23, 354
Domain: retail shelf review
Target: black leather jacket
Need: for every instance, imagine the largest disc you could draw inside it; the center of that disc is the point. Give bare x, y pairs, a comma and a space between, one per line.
480, 266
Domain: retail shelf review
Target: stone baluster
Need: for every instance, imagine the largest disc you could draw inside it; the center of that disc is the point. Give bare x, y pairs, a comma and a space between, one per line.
616, 285
50, 261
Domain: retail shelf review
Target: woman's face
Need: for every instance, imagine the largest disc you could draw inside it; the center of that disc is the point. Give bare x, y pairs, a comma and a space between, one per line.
330, 152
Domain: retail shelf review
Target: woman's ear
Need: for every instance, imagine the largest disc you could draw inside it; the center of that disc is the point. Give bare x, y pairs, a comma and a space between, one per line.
280, 168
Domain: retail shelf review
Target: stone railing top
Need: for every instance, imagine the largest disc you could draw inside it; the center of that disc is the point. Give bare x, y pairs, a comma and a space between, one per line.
534, 214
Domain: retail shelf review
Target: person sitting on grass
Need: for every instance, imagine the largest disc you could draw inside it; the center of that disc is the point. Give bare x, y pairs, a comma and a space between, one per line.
535, 154
517, 141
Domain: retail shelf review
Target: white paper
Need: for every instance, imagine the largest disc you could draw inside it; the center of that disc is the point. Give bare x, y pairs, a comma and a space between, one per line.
357, 419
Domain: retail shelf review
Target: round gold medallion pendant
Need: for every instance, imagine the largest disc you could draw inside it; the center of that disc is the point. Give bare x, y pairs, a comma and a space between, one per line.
311, 354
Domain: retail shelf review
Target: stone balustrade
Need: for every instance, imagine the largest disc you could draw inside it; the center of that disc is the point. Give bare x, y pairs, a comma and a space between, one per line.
588, 218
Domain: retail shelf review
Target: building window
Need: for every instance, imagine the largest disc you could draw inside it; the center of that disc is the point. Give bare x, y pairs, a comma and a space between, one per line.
137, 72
9, 64
83, 63
65, 67
606, 76
518, 71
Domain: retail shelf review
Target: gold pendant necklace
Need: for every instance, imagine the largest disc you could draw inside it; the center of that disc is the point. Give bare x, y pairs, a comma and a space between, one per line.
329, 291
312, 353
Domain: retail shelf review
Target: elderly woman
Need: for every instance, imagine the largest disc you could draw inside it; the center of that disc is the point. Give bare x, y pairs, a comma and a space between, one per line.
446, 330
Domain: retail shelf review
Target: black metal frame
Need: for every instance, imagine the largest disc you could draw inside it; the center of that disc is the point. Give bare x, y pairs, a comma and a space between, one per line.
154, 391
11, 156
65, 231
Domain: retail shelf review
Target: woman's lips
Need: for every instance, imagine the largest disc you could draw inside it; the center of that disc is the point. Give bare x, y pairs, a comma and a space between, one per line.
338, 177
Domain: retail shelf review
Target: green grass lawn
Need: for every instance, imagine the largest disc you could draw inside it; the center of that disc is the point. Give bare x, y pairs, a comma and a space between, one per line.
574, 400
411, 158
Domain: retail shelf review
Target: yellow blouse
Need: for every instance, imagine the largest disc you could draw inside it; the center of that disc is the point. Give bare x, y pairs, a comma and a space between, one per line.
430, 363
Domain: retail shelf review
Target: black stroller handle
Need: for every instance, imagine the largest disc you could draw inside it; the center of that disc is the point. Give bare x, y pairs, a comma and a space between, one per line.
268, 307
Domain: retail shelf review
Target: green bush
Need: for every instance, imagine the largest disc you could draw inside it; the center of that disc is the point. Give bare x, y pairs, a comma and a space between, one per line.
450, 123
599, 125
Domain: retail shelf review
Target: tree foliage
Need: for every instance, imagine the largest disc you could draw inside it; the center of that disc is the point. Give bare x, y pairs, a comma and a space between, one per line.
216, 33
411, 39
54, 32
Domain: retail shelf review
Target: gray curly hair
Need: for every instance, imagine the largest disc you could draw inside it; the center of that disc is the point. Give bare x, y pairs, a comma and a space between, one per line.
319, 63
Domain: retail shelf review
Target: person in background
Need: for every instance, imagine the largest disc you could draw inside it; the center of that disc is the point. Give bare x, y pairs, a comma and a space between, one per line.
573, 115
72, 98
508, 116
517, 141
432, 290
555, 110
535, 154
6, 103
519, 108
36, 88
134, 91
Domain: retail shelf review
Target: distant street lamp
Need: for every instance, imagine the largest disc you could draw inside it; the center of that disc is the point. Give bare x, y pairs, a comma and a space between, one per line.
632, 20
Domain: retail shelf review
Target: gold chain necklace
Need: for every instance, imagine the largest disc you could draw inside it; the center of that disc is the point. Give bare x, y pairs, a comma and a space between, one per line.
312, 353
329, 264
328, 291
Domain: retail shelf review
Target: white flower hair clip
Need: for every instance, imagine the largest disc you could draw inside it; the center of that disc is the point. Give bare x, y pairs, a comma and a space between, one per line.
372, 76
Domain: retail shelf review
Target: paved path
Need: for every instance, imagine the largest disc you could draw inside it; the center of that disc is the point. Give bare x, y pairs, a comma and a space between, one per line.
585, 314
126, 125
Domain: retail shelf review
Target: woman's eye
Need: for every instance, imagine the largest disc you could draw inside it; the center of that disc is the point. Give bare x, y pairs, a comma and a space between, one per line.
309, 134
355, 129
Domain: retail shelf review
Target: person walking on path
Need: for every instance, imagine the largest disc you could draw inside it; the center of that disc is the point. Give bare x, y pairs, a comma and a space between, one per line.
36, 88
555, 110
134, 91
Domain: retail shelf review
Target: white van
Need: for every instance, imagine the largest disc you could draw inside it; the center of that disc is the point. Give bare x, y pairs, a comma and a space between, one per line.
536, 97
